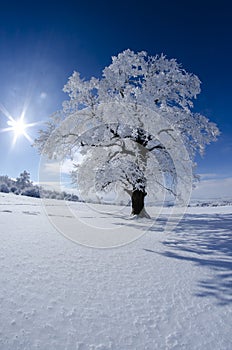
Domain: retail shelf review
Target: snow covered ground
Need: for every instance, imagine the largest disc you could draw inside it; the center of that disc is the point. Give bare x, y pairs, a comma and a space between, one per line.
165, 290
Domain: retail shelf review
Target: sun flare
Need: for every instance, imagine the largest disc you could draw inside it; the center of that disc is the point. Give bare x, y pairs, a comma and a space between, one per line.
18, 126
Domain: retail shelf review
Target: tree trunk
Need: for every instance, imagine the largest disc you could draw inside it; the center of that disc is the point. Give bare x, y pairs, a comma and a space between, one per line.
138, 203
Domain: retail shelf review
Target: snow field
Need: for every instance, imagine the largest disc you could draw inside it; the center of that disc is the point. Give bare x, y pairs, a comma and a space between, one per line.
163, 291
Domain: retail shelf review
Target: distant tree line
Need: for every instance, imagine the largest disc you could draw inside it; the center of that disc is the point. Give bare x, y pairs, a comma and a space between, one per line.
23, 186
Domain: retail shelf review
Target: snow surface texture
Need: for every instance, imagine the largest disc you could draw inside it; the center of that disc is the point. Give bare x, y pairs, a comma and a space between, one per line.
163, 291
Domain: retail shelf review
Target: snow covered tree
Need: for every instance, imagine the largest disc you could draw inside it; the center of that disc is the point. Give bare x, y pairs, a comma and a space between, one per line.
134, 126
23, 181
4, 188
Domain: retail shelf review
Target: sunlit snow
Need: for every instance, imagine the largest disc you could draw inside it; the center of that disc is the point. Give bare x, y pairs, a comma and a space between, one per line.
163, 291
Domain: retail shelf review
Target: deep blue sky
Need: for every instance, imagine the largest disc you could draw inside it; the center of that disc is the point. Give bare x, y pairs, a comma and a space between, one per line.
41, 43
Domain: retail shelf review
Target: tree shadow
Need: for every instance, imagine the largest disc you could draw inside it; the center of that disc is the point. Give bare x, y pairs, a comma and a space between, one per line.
206, 240
202, 239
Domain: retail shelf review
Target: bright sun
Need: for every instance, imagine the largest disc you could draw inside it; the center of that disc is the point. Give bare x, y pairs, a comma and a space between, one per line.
18, 126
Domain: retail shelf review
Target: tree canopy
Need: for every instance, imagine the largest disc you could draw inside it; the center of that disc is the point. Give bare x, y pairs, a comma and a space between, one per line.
134, 126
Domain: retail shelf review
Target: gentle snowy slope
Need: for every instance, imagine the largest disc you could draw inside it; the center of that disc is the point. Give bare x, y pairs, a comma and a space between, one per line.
163, 291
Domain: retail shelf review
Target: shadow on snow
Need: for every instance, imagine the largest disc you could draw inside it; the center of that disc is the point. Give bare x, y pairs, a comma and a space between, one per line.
205, 240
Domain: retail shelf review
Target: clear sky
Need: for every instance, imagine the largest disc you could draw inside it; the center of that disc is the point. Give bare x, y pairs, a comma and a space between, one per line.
42, 42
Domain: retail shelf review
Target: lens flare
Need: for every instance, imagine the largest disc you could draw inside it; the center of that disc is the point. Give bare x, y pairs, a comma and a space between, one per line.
17, 126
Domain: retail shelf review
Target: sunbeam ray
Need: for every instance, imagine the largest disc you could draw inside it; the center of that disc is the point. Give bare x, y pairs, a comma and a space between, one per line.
18, 126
